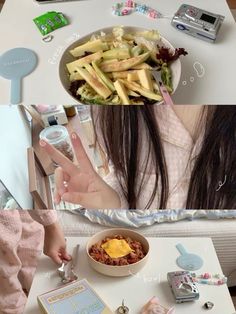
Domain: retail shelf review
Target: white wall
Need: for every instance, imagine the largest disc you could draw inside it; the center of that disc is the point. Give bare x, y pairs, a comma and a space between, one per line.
15, 137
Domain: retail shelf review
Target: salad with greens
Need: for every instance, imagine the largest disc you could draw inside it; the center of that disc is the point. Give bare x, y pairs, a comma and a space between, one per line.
115, 68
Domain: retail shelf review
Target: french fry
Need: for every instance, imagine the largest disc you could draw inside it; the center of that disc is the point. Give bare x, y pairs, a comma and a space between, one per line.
141, 90
116, 53
132, 93
125, 64
90, 69
94, 83
142, 66
133, 76
89, 46
75, 76
122, 74
145, 79
82, 61
105, 79
121, 91
108, 61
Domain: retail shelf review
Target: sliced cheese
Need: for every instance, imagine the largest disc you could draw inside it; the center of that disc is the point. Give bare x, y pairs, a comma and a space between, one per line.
117, 248
145, 79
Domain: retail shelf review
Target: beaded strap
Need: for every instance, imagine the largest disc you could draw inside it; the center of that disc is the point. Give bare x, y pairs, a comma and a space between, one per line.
130, 6
208, 279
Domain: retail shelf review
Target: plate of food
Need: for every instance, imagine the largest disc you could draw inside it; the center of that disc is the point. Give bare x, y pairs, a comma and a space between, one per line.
113, 66
117, 252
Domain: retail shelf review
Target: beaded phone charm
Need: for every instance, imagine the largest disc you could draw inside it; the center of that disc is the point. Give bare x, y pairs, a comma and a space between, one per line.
208, 279
130, 6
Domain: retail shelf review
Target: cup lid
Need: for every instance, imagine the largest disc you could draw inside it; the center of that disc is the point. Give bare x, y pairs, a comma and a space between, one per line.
54, 134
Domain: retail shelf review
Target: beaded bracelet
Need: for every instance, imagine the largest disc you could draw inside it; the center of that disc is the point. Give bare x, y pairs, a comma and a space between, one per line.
129, 6
208, 279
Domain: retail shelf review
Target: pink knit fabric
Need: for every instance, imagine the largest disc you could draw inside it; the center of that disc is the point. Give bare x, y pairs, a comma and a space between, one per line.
179, 150
44, 217
21, 242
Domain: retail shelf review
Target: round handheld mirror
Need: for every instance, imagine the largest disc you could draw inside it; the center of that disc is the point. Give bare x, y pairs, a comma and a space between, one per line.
14, 65
188, 261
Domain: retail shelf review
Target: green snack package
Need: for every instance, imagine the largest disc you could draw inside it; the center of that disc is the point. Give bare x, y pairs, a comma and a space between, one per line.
50, 21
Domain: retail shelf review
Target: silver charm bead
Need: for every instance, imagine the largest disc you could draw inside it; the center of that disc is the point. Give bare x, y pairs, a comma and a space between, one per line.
208, 305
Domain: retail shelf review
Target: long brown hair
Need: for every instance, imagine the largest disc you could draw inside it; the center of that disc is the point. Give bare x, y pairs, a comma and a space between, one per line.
119, 125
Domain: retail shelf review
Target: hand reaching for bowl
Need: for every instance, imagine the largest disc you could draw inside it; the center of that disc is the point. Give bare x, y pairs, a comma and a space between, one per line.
80, 185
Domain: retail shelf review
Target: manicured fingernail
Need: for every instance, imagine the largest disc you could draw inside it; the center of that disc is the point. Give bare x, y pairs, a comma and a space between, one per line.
73, 135
42, 143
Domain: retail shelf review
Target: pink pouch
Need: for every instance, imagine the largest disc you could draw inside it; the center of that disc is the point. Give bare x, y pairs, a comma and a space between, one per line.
154, 307
47, 108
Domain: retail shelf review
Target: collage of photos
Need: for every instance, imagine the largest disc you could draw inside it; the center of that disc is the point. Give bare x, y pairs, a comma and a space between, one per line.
118, 157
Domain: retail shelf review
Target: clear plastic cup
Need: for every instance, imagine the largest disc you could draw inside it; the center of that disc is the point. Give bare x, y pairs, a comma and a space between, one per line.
84, 113
58, 136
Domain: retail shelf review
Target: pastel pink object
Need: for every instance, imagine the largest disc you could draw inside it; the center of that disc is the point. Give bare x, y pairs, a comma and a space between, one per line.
129, 3
206, 276
46, 108
21, 242
125, 12
152, 14
166, 95
154, 307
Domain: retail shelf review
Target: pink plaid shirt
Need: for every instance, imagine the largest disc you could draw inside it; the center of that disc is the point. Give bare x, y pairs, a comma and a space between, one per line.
179, 150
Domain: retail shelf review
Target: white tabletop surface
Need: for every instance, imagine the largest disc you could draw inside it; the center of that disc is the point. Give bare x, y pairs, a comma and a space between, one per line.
17, 29
138, 289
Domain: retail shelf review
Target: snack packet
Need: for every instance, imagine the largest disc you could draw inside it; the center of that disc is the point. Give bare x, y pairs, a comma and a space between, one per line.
154, 307
50, 21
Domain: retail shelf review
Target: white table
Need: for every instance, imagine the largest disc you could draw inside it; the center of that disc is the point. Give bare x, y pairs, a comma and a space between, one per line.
43, 85
151, 280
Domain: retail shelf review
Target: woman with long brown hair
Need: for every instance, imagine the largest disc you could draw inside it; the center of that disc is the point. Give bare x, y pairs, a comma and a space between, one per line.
160, 157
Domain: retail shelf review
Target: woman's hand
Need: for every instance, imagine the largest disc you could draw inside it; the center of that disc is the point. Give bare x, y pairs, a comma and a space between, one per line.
80, 185
55, 244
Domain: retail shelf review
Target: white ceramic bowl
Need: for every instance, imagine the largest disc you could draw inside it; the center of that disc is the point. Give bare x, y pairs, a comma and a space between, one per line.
67, 57
118, 271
